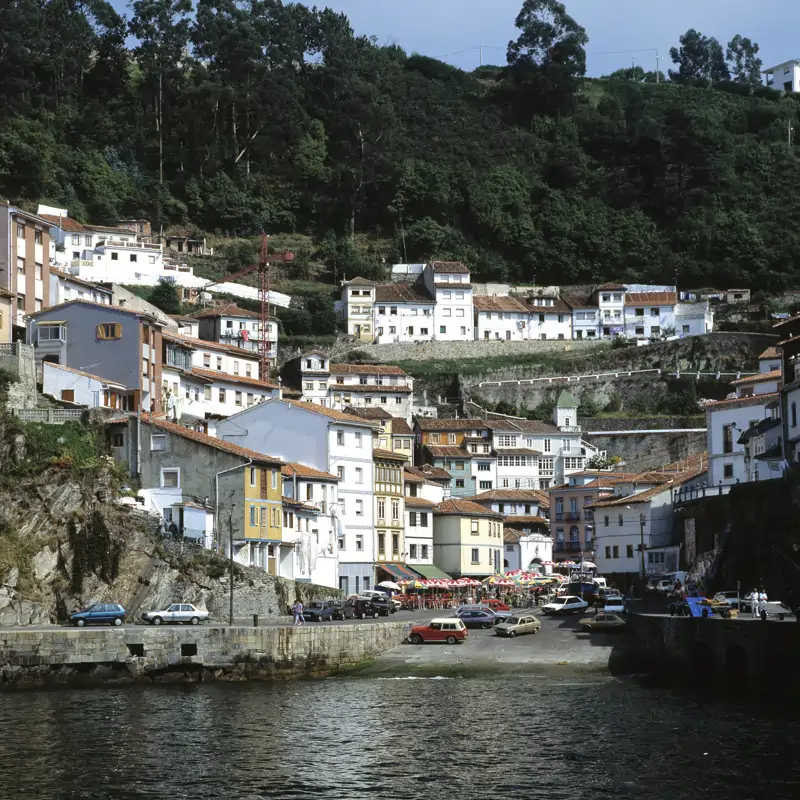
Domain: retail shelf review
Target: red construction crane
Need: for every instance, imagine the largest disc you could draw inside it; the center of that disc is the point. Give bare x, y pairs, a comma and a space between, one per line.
263, 268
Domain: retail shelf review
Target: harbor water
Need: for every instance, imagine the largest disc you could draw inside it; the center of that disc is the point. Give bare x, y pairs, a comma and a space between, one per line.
494, 736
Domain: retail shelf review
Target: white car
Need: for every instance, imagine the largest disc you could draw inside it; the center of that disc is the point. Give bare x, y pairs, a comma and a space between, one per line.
177, 612
568, 604
615, 605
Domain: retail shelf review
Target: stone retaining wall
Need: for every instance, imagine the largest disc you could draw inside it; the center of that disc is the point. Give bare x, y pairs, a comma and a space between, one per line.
75, 657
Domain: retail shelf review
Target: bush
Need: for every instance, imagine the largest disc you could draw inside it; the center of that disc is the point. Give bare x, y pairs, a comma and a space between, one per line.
614, 404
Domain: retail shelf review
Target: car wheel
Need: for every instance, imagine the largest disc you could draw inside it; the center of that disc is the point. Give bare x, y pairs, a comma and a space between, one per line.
157, 620
80, 622
536, 630
781, 617
118, 621
415, 638
195, 620
375, 615
363, 615
512, 634
451, 640
486, 625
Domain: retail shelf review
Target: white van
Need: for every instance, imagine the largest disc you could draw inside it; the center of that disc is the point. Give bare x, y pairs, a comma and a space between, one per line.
600, 582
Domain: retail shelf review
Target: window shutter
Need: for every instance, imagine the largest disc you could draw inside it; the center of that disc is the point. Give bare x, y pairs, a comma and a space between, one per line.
117, 330
100, 332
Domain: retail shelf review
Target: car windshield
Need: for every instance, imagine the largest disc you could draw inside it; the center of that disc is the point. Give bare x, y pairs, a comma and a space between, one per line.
559, 601
315, 605
513, 621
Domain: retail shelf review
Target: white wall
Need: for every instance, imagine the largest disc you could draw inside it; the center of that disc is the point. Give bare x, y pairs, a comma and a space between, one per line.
546, 325
716, 420
88, 391
653, 322
411, 322
501, 325
217, 360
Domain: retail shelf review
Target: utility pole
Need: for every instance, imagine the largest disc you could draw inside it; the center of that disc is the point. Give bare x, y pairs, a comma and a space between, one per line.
641, 546
658, 68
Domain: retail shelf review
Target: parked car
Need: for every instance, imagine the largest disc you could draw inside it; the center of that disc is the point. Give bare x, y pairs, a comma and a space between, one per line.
565, 605
476, 617
383, 605
615, 605
371, 593
665, 586
177, 612
363, 608
518, 624
495, 604
99, 614
446, 629
500, 614
342, 609
603, 622
588, 591
318, 611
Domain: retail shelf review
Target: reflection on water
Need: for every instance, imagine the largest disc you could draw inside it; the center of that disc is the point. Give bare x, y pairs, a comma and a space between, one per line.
395, 738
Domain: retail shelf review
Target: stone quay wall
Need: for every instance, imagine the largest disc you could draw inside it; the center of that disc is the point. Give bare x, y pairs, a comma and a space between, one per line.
114, 656
713, 650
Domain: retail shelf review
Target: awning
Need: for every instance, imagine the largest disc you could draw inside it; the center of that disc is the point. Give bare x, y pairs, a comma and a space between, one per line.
429, 571
400, 572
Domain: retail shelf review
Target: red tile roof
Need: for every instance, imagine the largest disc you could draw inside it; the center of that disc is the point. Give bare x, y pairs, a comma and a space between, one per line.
402, 293
756, 399
558, 306
200, 344
773, 375
377, 452
418, 502
430, 424
65, 223
448, 451
493, 303
651, 298
228, 310
216, 375
451, 267
464, 508
209, 441
330, 413
521, 495
365, 369
429, 472
359, 282
400, 427
611, 287
770, 352
293, 469
104, 306
526, 520
372, 388
445, 285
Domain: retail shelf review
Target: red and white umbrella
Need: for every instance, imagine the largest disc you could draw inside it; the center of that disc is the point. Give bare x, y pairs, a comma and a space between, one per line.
548, 563
504, 582
567, 564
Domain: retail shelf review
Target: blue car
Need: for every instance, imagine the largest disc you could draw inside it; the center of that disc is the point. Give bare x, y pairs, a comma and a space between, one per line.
99, 614
318, 611
476, 617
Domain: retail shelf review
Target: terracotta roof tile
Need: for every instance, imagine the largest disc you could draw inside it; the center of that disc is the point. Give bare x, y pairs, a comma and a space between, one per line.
368, 413
448, 451
451, 267
201, 344
757, 399
447, 285
365, 369
65, 223
775, 374
329, 412
80, 281
209, 441
228, 310
526, 520
611, 287
431, 424
402, 293
377, 452
482, 303
523, 495
104, 306
372, 388
464, 507
770, 352
651, 298
428, 471
558, 306
293, 469
418, 502
400, 427
216, 375
640, 497
359, 282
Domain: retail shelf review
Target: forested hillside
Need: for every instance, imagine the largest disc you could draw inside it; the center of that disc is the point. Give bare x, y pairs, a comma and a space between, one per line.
240, 116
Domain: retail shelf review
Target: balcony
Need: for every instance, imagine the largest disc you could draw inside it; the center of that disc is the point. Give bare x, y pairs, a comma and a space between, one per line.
559, 516
574, 547
573, 515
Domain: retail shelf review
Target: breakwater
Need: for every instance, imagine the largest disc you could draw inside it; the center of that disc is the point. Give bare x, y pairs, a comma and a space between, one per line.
86, 657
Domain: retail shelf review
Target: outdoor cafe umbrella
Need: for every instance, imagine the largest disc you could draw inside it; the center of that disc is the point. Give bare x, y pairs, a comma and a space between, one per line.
389, 585
568, 564
589, 564
504, 582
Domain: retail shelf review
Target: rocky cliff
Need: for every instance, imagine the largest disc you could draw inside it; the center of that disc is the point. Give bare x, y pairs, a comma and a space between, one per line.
66, 541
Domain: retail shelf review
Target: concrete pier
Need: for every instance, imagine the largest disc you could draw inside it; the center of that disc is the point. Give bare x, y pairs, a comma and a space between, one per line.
91, 656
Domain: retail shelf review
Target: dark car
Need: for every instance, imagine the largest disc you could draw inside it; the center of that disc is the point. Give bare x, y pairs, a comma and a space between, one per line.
383, 605
342, 610
318, 611
99, 614
364, 607
476, 618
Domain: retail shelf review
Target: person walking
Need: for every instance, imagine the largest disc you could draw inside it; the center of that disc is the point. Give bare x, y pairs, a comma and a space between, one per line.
754, 603
297, 609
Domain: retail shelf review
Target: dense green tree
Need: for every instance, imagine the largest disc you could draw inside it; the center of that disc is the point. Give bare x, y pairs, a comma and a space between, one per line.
743, 61
700, 59
165, 296
636, 74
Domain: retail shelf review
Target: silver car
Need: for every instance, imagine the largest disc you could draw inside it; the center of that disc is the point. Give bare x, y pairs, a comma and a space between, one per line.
177, 612
518, 624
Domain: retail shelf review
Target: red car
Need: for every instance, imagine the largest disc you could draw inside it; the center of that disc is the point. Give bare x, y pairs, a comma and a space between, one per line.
445, 629
495, 604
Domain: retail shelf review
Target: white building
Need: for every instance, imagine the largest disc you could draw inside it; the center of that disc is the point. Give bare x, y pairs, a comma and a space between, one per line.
448, 282
328, 441
358, 386
309, 551
784, 76
238, 327
403, 313
649, 314
503, 318
358, 301
65, 287
641, 511
550, 318
421, 496
526, 549
83, 388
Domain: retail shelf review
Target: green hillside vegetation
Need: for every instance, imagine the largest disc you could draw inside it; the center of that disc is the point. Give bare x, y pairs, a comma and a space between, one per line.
271, 115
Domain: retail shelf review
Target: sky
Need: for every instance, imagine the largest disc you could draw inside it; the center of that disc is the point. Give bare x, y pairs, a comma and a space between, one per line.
443, 28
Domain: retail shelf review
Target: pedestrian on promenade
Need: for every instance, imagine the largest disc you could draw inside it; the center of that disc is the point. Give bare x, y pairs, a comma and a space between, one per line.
762, 599
297, 609
754, 602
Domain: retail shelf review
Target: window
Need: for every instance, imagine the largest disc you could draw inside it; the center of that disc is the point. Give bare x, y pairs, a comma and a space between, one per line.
381, 309
621, 520
794, 415
309, 385
253, 475
158, 443
653, 312
412, 551
235, 367
20, 266
615, 551
608, 551
475, 556
442, 329
253, 512
359, 508
727, 471
170, 478
393, 311
459, 312
727, 438
639, 312
206, 393
547, 445
485, 484
238, 398
221, 396
474, 527
504, 440
50, 333
412, 519
359, 541
340, 437
381, 509
248, 370
639, 331
37, 237
484, 467
133, 257
358, 440
274, 479
445, 296
382, 400
629, 551
423, 519
340, 472
459, 483
605, 521
219, 363
359, 475
395, 510
109, 330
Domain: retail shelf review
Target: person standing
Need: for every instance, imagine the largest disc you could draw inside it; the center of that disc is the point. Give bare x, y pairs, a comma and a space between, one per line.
754, 602
297, 608
762, 600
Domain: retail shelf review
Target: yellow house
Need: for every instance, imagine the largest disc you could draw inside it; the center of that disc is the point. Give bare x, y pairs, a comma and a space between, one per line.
467, 539
263, 514
389, 508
